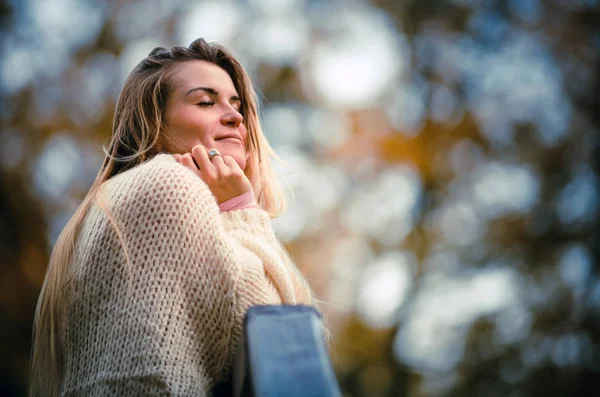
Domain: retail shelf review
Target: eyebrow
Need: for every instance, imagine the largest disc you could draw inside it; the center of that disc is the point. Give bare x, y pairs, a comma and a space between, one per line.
211, 91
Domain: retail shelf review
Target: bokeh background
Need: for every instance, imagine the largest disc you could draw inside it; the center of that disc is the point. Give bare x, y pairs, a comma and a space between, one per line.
443, 155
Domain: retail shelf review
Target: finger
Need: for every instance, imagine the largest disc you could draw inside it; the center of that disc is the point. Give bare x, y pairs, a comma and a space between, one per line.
177, 156
234, 168
188, 161
200, 154
232, 165
222, 168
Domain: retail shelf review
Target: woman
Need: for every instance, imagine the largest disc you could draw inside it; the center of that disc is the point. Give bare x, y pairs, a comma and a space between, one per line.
149, 281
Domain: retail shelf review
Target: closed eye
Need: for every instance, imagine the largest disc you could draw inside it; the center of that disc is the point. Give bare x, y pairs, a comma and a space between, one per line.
205, 103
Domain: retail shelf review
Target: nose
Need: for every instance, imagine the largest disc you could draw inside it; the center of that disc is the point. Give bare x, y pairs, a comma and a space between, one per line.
231, 117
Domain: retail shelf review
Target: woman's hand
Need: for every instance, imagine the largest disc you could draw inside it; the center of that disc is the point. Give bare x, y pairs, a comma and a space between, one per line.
222, 174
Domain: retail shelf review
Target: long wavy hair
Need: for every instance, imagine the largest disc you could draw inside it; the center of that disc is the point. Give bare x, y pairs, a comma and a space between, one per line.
139, 133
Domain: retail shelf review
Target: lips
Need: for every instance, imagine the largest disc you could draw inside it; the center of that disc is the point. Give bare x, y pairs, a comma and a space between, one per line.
229, 137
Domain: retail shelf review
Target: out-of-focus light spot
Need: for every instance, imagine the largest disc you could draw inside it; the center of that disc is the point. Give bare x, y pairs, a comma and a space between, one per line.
133, 53
291, 226
432, 337
427, 50
279, 7
12, 148
575, 266
212, 20
464, 157
536, 351
460, 224
47, 101
568, 350
347, 259
444, 106
95, 87
443, 261
326, 187
291, 174
67, 23
316, 189
384, 285
57, 166
406, 110
143, 19
305, 127
579, 74
494, 289
372, 123
425, 351
553, 125
488, 25
492, 123
502, 188
578, 201
352, 70
103, 71
17, 68
278, 41
385, 208
463, 55
328, 129
452, 56
520, 83
513, 325
282, 125
527, 10
56, 29
295, 164
438, 383
594, 296
93, 158
57, 224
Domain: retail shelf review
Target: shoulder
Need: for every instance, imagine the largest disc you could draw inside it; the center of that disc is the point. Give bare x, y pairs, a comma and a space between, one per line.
163, 173
158, 181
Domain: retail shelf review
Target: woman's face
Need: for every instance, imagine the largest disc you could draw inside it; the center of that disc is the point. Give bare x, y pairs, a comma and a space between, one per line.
205, 108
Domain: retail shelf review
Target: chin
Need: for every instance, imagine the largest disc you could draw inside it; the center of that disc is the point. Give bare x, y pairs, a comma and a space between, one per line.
239, 159
238, 156
241, 163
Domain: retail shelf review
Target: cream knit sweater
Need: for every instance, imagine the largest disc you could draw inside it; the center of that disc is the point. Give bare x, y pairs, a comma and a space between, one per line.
169, 323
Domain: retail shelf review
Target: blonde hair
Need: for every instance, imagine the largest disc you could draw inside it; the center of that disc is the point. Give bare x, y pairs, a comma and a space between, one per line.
138, 134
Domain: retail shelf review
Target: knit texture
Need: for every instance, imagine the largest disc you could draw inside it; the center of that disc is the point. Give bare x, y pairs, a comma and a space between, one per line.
170, 321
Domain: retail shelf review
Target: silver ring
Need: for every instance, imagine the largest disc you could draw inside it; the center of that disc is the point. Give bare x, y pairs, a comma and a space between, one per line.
212, 153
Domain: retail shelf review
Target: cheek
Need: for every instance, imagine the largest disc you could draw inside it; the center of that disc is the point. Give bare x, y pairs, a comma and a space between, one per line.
189, 119
244, 133
188, 126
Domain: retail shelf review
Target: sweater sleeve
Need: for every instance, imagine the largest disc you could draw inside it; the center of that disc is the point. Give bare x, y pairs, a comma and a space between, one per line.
252, 229
169, 322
